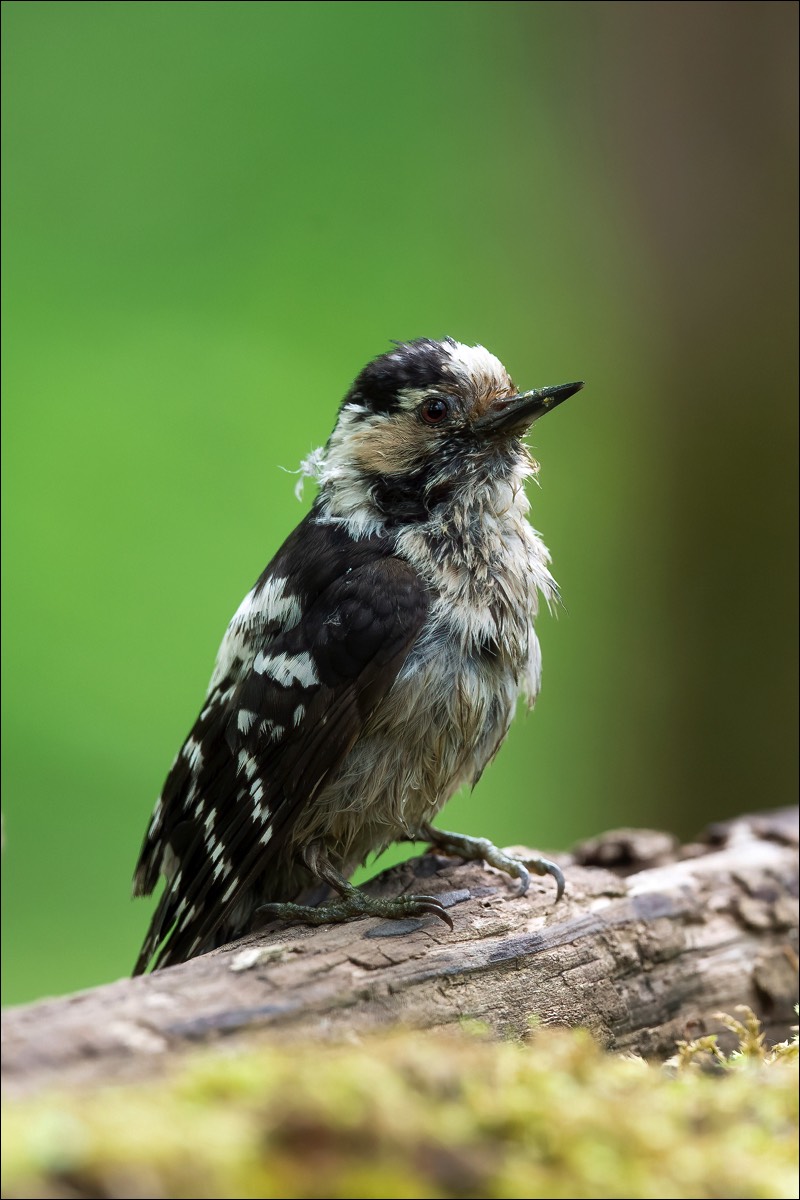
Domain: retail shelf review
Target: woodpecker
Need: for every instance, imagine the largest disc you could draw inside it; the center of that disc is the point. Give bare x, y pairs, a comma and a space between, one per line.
374, 667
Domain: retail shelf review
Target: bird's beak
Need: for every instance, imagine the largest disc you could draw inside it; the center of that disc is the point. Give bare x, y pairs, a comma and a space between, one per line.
514, 414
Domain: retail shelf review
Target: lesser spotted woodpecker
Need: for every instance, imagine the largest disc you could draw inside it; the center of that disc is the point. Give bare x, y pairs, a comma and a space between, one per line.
374, 667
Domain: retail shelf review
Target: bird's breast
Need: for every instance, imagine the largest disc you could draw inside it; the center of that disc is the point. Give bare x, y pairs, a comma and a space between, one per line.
442, 721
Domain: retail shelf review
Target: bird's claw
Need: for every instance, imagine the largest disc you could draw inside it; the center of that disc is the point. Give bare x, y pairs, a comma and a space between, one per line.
418, 906
470, 848
354, 904
543, 866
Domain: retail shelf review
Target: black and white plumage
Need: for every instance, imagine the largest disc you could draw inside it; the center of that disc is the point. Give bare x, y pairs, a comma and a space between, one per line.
374, 667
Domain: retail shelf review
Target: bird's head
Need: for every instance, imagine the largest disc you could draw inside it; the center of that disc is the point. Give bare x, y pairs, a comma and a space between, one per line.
421, 427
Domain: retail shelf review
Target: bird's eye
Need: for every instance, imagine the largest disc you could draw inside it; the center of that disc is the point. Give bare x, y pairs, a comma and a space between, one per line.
434, 410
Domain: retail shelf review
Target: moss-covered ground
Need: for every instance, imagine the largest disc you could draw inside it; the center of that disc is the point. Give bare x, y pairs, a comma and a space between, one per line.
419, 1115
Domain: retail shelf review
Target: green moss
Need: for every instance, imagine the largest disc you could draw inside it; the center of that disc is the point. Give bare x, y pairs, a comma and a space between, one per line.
419, 1115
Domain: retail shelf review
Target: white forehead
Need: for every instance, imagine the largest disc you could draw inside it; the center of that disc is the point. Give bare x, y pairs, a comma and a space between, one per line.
476, 365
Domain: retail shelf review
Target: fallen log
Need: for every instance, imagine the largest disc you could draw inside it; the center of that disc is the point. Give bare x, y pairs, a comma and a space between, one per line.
650, 940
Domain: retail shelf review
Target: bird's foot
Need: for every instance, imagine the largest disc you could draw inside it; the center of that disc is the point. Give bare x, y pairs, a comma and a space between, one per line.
473, 849
355, 903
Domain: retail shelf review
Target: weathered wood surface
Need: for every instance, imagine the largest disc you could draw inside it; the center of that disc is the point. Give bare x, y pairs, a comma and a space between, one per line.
648, 942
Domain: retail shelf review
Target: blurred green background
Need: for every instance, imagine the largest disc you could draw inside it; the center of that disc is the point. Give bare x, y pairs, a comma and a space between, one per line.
215, 213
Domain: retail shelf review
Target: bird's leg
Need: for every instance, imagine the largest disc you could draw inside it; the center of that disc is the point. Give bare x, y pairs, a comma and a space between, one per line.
472, 849
353, 902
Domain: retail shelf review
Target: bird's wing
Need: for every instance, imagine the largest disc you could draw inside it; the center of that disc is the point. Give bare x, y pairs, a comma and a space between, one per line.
312, 557
263, 747
266, 612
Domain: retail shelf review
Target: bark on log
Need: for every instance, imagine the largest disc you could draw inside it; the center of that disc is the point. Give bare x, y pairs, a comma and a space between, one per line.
650, 939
